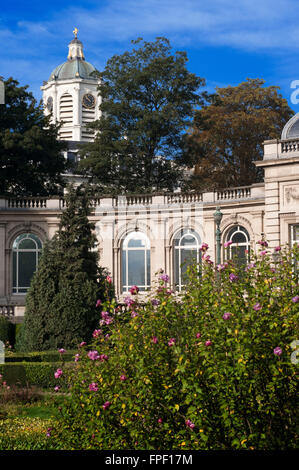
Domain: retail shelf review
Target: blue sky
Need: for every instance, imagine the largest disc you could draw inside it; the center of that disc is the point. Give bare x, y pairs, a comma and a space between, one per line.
226, 40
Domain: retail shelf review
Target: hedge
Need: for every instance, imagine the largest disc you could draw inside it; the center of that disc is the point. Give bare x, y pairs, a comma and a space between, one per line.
31, 373
41, 356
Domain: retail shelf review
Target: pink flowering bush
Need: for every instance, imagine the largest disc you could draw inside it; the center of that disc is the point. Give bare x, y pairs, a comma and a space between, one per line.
209, 368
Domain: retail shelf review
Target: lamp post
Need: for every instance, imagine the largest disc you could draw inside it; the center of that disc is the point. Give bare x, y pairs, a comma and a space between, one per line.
218, 217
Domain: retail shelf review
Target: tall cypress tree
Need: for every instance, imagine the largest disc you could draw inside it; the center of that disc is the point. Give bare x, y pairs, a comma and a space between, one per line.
60, 305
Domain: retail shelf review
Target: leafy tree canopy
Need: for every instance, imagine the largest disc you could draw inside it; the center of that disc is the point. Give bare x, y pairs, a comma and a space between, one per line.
31, 162
148, 99
228, 133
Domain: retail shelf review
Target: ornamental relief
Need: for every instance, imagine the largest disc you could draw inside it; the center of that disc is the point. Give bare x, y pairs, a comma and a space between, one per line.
291, 197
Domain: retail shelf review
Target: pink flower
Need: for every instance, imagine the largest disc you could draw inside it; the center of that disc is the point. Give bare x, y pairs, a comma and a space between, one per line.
109, 279
56, 388
257, 307
96, 333
227, 244
82, 344
93, 355
103, 357
198, 335
58, 374
61, 351
233, 277
160, 420
77, 357
204, 247
295, 299
99, 303
93, 387
189, 424
106, 405
220, 267
134, 290
263, 243
129, 301
123, 377
134, 314
226, 316
277, 351
263, 253
154, 339
164, 277
171, 342
208, 343
277, 248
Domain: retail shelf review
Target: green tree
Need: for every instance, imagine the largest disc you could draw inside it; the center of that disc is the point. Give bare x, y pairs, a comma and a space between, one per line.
61, 302
228, 134
31, 161
148, 98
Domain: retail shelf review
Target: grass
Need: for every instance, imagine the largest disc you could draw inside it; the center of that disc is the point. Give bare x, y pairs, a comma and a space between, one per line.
25, 418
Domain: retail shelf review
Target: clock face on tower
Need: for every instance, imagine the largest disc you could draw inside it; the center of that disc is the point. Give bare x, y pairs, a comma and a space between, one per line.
88, 101
50, 104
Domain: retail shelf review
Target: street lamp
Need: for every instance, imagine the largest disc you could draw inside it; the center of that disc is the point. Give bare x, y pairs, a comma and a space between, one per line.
218, 217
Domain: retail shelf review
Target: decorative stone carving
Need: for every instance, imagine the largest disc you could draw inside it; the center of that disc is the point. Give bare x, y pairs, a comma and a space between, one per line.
291, 194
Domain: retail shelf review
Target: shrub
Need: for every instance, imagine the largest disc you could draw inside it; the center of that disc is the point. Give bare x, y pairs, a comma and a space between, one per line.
41, 356
7, 331
33, 373
206, 369
25, 434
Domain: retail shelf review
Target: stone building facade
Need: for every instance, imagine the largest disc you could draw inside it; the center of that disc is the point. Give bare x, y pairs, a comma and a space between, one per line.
139, 235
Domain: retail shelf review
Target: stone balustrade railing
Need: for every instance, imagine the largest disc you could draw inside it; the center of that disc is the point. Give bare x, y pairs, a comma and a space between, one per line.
243, 192
213, 197
289, 146
7, 311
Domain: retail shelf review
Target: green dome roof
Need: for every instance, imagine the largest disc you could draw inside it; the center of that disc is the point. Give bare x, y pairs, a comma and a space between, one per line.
77, 68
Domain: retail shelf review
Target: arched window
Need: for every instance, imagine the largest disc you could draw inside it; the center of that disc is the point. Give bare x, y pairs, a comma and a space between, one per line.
26, 251
186, 252
240, 247
136, 261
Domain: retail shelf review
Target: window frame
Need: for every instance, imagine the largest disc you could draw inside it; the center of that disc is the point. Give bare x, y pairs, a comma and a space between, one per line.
180, 235
125, 249
16, 288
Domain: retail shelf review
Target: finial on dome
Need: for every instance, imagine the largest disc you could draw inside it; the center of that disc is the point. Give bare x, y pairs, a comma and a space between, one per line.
75, 48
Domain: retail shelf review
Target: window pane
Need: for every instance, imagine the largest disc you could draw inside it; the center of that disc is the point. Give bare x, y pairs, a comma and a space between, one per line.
238, 238
27, 244
135, 243
188, 240
148, 262
124, 268
27, 267
188, 257
239, 254
136, 267
14, 269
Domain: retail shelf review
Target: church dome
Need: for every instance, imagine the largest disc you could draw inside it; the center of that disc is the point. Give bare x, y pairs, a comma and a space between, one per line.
75, 66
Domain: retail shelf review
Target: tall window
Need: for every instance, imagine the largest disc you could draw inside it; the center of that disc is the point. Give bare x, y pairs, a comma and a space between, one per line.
136, 261
240, 247
295, 240
186, 252
294, 235
26, 251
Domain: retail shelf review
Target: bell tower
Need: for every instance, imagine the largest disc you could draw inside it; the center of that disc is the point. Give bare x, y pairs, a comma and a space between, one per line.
70, 95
